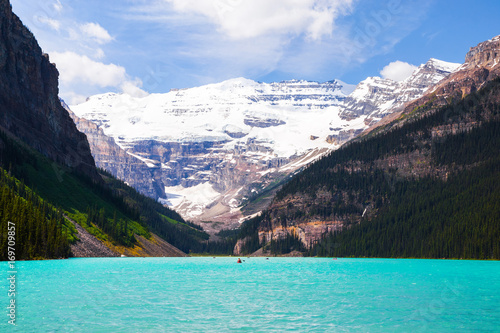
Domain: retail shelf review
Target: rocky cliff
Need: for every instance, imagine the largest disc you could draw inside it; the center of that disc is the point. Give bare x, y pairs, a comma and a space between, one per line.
29, 102
482, 64
112, 158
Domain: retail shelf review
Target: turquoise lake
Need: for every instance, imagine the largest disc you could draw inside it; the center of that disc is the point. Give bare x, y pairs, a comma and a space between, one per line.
258, 295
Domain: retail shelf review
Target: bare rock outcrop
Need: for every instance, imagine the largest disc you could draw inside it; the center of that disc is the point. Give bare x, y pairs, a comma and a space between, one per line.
112, 158
482, 64
88, 246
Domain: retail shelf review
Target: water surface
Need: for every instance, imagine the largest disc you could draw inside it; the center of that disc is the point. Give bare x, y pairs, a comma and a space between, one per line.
259, 295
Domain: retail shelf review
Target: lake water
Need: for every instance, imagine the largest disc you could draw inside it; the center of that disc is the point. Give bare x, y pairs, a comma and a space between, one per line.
258, 295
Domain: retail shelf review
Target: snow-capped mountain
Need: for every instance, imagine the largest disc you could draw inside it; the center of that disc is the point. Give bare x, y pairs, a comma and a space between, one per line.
232, 111
378, 97
208, 149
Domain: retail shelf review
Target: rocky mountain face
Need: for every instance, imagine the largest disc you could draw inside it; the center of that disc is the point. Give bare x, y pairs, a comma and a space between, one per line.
482, 64
29, 102
111, 157
379, 97
207, 151
376, 97
356, 182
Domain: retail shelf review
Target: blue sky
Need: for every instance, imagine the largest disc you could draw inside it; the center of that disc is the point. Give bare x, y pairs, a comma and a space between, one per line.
151, 46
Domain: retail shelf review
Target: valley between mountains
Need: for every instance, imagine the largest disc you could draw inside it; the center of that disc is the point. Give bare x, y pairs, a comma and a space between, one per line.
297, 159
211, 152
378, 169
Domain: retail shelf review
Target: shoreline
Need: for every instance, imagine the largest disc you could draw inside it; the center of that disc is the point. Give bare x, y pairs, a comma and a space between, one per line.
195, 256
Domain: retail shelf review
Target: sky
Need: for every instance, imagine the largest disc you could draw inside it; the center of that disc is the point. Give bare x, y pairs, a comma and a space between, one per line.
140, 47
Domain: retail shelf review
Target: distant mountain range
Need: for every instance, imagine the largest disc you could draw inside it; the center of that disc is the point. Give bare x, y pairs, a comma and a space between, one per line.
383, 169
208, 151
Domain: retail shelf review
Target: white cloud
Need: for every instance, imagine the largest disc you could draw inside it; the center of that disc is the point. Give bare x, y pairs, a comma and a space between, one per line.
398, 70
74, 67
241, 19
72, 98
96, 32
58, 7
52, 23
265, 39
99, 54
79, 72
132, 88
222, 39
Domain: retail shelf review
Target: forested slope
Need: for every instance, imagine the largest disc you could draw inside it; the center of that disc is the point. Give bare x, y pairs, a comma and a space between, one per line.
109, 210
428, 187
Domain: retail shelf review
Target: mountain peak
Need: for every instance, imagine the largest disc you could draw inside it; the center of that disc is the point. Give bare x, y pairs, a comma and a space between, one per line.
376, 97
481, 66
442, 65
484, 55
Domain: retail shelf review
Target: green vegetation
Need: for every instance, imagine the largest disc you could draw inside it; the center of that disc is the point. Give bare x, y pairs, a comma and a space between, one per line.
110, 210
36, 228
249, 232
161, 220
474, 146
459, 218
286, 245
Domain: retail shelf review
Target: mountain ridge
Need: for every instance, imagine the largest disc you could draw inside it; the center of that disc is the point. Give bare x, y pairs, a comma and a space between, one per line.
481, 65
440, 148
236, 137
